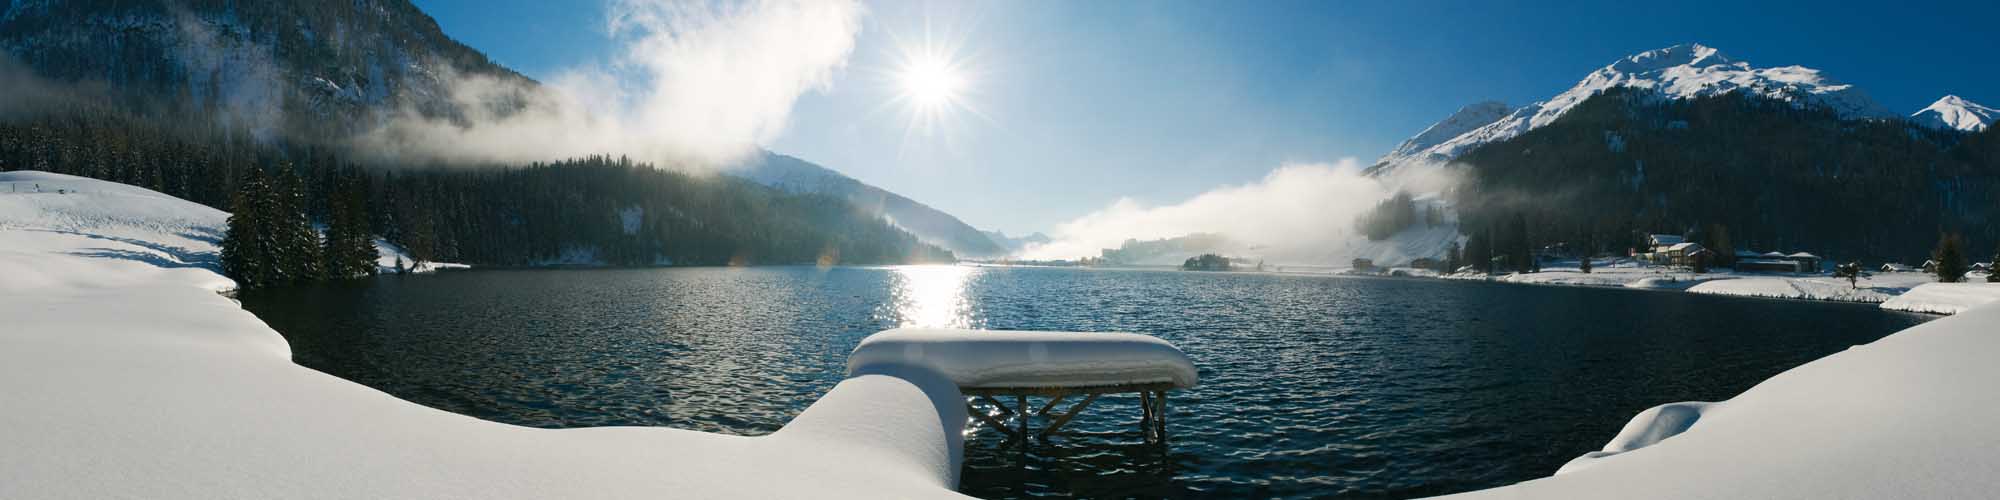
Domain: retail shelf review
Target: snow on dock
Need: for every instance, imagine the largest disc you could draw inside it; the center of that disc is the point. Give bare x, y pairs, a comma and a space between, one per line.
985, 359
126, 376
1000, 365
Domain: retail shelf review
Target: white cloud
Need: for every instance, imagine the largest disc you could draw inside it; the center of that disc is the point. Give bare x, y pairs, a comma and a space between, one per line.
1295, 213
695, 83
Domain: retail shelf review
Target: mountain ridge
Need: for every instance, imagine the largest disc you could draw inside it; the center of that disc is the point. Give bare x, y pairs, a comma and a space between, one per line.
791, 174
1677, 72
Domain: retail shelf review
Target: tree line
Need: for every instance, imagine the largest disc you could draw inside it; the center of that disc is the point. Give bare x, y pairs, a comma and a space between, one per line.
302, 213
1730, 171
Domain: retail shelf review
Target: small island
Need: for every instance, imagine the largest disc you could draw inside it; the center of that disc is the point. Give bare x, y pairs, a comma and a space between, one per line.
1206, 262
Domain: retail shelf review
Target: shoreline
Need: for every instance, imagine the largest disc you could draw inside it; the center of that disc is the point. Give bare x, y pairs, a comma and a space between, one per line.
115, 312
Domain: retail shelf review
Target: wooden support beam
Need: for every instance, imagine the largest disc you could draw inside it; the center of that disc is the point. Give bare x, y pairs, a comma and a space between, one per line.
997, 405
1023, 417
1064, 419
988, 419
1051, 405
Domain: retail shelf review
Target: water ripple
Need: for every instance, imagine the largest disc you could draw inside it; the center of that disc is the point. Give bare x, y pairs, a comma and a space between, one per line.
1311, 386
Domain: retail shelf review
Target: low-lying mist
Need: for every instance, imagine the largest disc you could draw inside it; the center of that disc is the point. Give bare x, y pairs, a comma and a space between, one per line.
694, 83
1297, 214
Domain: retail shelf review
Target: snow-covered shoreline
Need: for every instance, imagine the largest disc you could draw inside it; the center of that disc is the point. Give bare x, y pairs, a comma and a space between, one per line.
1884, 289
127, 376
130, 377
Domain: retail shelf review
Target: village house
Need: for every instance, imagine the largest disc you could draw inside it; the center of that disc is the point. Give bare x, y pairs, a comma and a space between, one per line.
1780, 262
1685, 254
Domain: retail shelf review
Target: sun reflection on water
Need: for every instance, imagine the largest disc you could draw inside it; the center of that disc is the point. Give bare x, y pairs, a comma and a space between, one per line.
933, 296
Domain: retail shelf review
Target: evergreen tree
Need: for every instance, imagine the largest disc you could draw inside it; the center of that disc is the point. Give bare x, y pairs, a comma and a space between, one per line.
1479, 250
1583, 256
246, 249
349, 248
1993, 267
1453, 257
1522, 249
297, 244
1950, 258
1725, 250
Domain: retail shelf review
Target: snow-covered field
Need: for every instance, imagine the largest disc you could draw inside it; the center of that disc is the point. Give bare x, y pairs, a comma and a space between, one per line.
124, 375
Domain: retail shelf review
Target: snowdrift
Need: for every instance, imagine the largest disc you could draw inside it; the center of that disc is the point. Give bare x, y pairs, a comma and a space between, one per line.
1946, 298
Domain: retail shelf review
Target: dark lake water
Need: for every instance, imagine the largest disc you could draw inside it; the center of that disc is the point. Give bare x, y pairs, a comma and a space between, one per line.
1311, 386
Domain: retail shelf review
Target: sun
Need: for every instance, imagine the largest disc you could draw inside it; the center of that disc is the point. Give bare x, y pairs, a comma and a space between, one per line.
934, 82
930, 82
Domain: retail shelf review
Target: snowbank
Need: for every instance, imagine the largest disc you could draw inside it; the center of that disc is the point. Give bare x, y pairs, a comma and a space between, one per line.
1908, 416
1008, 359
1873, 289
1877, 288
126, 376
1945, 298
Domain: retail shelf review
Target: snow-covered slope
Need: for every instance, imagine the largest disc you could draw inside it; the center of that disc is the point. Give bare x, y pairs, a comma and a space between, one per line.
1956, 113
1465, 120
166, 230
928, 224
124, 375
1677, 72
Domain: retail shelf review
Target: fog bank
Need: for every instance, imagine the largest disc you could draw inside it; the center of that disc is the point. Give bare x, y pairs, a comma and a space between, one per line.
1297, 214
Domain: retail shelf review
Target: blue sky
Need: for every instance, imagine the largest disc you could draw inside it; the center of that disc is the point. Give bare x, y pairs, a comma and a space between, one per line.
1080, 104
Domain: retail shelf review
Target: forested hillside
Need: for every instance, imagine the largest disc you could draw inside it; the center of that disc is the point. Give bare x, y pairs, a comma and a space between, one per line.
1769, 174
586, 210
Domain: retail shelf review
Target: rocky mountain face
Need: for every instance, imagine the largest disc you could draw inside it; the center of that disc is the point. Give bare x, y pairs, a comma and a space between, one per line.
307, 68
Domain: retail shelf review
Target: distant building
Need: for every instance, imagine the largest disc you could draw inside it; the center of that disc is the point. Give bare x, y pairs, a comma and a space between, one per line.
1897, 268
1808, 263
1761, 265
1685, 254
1658, 249
1797, 262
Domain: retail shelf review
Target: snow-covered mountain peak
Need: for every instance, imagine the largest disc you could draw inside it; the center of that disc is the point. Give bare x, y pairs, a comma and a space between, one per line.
1956, 113
1693, 55
1679, 72
1470, 117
